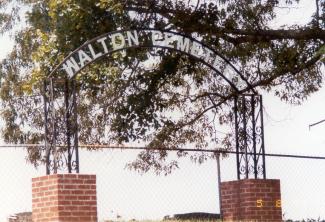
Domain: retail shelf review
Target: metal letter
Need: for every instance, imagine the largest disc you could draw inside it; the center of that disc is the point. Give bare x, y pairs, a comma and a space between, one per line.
133, 39
118, 41
83, 58
169, 40
93, 54
157, 38
195, 49
102, 41
183, 44
217, 62
207, 57
71, 67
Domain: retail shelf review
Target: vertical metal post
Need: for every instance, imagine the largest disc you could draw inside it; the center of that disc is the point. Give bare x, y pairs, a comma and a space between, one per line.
237, 136
254, 134
71, 125
245, 136
75, 125
262, 137
53, 119
67, 123
46, 136
219, 185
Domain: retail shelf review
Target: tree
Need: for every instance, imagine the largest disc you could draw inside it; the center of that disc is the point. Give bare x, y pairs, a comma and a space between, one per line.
158, 97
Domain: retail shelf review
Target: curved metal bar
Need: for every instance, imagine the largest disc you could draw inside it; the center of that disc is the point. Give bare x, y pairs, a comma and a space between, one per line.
108, 44
148, 31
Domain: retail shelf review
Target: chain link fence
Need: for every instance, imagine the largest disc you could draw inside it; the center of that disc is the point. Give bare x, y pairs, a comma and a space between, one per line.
125, 195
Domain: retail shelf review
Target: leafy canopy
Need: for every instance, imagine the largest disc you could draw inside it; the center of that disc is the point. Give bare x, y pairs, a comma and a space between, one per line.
157, 97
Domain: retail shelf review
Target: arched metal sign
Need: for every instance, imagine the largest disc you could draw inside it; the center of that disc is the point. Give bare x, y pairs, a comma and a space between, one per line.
105, 45
112, 42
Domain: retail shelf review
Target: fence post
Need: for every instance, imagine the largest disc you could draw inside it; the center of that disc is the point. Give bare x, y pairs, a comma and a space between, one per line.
219, 185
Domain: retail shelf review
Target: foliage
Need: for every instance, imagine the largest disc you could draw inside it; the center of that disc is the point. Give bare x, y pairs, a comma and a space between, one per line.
156, 97
306, 220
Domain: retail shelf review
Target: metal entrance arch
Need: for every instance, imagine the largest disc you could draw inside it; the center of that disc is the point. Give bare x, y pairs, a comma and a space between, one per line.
64, 154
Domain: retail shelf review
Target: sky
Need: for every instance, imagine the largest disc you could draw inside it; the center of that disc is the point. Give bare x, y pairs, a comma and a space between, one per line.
194, 188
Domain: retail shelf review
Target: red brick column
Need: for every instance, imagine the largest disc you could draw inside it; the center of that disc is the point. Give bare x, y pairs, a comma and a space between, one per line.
64, 198
251, 200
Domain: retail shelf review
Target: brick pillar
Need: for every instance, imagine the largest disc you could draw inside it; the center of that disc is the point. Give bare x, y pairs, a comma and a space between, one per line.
64, 198
251, 200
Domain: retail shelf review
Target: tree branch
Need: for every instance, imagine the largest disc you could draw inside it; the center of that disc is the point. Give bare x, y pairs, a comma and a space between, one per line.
317, 13
293, 72
275, 34
244, 35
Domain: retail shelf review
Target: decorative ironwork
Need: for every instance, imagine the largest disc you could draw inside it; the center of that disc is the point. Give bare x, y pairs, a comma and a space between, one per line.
60, 100
71, 118
61, 128
250, 151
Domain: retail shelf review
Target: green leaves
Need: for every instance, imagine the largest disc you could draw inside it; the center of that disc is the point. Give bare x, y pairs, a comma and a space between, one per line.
157, 97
